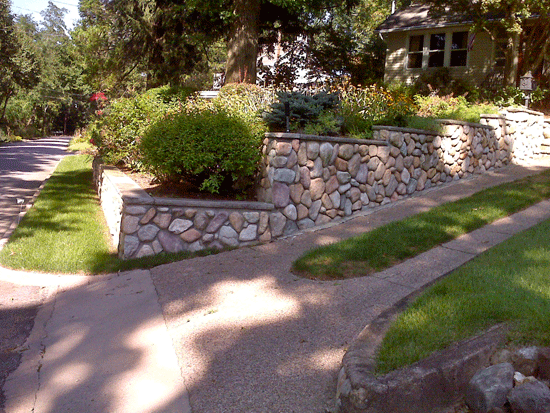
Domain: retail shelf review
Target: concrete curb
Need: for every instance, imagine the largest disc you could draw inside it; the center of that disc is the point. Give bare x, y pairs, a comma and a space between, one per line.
359, 391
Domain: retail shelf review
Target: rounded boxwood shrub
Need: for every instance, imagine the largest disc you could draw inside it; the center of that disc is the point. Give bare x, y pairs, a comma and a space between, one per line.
211, 149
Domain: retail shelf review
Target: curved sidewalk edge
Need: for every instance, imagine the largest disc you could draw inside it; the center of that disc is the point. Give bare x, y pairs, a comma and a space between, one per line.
420, 272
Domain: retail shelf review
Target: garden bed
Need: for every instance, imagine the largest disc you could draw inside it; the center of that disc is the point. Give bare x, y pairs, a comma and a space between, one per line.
182, 189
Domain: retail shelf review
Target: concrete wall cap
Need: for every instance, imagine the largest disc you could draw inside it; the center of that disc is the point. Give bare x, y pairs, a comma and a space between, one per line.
335, 139
524, 110
406, 130
463, 123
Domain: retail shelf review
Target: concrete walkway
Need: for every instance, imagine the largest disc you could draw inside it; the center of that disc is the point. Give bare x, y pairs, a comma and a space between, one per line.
249, 335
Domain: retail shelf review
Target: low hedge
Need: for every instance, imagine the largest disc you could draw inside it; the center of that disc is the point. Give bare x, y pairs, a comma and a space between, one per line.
212, 149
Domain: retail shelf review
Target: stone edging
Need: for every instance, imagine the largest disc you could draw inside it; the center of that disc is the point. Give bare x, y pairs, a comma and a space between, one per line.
142, 225
430, 385
318, 138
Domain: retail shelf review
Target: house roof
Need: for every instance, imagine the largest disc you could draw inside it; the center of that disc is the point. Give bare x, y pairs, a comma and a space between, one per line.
417, 16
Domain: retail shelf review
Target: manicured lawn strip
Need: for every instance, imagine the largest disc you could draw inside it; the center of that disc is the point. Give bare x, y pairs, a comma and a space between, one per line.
65, 230
509, 283
390, 244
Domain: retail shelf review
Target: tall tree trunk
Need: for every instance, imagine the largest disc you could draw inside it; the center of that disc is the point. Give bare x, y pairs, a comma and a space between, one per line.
512, 61
5, 103
242, 45
512, 51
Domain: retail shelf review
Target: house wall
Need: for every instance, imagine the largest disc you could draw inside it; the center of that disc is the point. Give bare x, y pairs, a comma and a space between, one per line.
396, 55
480, 58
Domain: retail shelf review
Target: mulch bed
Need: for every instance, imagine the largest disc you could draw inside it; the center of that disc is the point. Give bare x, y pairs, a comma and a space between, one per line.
182, 189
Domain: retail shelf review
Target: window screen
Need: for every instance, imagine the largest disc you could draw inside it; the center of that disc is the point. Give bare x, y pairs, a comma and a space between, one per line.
459, 49
416, 47
437, 50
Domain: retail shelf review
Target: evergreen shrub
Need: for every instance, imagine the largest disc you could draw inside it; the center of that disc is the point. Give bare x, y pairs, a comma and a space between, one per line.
212, 149
309, 113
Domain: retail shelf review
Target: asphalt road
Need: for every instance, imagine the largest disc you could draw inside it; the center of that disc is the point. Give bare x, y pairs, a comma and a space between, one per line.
24, 166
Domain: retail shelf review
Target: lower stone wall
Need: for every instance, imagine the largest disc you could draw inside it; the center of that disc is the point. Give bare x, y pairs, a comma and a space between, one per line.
155, 225
522, 129
545, 145
142, 225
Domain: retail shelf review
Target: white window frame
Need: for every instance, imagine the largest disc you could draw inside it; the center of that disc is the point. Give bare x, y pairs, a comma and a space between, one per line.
426, 50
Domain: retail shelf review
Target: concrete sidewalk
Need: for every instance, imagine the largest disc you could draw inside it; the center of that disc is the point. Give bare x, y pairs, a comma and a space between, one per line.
99, 344
249, 335
253, 337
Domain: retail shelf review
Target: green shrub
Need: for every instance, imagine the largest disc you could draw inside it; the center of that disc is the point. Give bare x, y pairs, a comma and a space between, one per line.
449, 107
440, 82
363, 107
244, 99
317, 112
212, 149
119, 128
513, 96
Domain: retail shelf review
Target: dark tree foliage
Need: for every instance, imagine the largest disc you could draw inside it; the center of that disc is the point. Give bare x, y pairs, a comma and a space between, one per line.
165, 39
18, 67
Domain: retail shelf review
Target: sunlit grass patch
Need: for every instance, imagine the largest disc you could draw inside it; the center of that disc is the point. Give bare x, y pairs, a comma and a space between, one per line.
392, 243
508, 284
65, 230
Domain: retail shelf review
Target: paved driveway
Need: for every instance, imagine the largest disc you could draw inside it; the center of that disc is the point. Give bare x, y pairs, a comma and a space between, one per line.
23, 168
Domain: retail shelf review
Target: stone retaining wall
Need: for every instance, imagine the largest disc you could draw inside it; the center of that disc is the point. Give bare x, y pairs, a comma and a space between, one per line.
545, 146
320, 179
142, 225
306, 181
522, 129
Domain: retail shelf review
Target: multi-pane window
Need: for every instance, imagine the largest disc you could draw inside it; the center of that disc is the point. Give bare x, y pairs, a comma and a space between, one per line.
500, 48
459, 49
443, 49
437, 50
416, 49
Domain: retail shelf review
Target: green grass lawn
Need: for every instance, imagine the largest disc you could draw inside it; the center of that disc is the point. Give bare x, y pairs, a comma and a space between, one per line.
65, 230
509, 283
393, 243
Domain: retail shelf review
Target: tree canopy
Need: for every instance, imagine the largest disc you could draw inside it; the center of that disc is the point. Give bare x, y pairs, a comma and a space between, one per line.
18, 66
165, 39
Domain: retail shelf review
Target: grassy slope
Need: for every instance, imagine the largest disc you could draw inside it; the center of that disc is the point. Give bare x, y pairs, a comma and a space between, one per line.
390, 244
64, 231
509, 283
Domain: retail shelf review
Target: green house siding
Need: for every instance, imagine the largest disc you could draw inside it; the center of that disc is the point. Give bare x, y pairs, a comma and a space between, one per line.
480, 58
